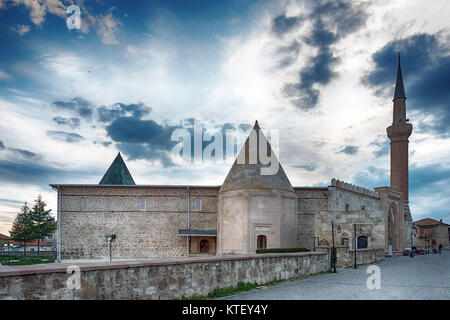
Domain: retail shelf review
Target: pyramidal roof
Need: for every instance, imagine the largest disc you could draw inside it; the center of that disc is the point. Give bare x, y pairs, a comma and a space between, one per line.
246, 174
118, 173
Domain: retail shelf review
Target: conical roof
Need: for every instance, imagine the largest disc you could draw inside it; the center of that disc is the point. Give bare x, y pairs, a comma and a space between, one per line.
118, 173
246, 172
399, 91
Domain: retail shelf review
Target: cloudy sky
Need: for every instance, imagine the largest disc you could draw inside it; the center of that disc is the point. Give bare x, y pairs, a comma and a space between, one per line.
321, 72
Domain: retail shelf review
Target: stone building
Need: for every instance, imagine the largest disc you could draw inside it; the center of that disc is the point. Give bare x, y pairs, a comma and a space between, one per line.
432, 233
250, 210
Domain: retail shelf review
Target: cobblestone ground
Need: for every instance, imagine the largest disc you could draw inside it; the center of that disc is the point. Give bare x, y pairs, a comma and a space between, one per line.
421, 277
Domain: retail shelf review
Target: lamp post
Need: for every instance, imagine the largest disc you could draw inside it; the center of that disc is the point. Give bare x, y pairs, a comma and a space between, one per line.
110, 238
354, 244
333, 249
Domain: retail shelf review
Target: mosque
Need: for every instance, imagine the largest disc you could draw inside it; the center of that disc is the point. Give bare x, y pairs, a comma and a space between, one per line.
248, 211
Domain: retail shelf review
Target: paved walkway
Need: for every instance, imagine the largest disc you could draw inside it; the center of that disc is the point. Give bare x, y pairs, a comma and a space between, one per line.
421, 277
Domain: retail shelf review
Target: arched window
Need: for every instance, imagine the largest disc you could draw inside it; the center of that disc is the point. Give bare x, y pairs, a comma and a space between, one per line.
204, 246
362, 242
261, 242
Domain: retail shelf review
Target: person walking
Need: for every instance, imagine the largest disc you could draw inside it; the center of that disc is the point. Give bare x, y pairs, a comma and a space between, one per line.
440, 248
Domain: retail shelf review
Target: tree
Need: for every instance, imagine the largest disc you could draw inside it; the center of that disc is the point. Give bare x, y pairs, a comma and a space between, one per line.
43, 222
22, 228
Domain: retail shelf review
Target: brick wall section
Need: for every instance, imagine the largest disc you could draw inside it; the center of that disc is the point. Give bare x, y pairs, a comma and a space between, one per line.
156, 280
140, 234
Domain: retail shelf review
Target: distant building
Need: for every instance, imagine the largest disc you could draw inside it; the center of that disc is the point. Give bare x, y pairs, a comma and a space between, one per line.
3, 242
432, 233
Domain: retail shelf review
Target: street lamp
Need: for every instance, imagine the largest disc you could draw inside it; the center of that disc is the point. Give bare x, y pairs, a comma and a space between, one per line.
110, 238
333, 249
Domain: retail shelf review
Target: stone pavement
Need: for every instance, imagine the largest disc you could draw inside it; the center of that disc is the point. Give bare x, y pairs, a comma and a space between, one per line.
421, 277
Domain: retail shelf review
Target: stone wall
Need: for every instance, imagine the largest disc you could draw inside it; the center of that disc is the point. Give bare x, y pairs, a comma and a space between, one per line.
346, 257
156, 280
152, 232
350, 205
311, 201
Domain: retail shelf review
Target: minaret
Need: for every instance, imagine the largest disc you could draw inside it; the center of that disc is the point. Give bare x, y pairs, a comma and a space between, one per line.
398, 133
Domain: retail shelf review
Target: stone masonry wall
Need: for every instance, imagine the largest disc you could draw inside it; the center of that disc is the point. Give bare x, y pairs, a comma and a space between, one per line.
346, 257
156, 280
312, 202
152, 232
349, 205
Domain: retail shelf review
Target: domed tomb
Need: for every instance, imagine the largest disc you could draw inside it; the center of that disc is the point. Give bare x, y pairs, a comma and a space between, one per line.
257, 204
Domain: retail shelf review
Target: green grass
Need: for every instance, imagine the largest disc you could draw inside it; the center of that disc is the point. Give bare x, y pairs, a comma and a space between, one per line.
16, 261
282, 250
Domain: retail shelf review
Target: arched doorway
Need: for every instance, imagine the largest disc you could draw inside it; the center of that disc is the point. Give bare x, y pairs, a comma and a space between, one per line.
204, 246
261, 242
391, 226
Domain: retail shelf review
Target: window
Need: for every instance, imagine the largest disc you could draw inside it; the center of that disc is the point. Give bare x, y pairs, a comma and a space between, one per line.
142, 204
363, 208
347, 207
198, 204
362, 242
300, 207
344, 242
204, 246
261, 242
84, 204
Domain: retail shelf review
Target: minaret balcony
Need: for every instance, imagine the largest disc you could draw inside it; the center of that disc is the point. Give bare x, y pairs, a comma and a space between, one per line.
399, 131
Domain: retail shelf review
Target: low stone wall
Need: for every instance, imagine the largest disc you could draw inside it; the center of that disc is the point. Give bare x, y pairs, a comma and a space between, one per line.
346, 257
155, 279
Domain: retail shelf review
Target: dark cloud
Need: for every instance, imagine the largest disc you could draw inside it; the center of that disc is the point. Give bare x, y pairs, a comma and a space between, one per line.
118, 110
425, 63
372, 178
142, 139
306, 167
39, 173
429, 178
103, 143
25, 154
80, 106
2, 146
132, 130
282, 24
331, 21
381, 144
70, 122
350, 150
69, 137
147, 151
147, 139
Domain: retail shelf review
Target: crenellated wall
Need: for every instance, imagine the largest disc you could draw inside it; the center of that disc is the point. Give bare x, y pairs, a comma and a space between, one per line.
350, 205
